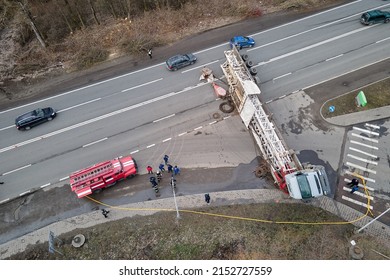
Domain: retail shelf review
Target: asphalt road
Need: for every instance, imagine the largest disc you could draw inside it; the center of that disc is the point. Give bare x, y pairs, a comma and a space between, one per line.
142, 108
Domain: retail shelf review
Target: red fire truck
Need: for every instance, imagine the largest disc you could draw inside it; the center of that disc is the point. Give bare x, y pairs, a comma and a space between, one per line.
102, 175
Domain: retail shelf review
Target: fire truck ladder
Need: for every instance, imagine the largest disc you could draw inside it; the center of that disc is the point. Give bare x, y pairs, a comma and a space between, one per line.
245, 95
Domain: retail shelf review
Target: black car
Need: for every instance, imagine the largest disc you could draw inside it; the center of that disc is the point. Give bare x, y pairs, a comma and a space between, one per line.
33, 118
180, 61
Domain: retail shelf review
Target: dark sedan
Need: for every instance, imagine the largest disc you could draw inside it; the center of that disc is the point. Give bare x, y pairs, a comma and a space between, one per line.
35, 117
180, 61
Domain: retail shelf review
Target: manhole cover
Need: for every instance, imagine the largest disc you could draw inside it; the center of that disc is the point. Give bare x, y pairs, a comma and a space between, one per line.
356, 252
78, 240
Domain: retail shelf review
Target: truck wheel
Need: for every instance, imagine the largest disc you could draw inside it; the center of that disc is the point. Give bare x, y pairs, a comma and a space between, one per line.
226, 107
249, 63
244, 57
253, 71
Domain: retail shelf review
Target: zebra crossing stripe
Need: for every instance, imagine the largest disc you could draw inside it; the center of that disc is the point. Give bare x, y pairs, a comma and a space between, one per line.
362, 152
365, 138
359, 194
365, 178
356, 202
362, 159
360, 185
360, 167
366, 131
364, 145
372, 125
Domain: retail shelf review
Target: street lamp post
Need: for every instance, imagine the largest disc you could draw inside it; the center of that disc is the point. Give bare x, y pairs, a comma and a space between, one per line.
174, 196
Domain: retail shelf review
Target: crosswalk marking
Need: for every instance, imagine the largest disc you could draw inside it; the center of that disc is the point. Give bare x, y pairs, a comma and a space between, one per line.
365, 138
364, 145
356, 202
366, 131
359, 193
360, 185
360, 167
362, 159
372, 125
364, 153
365, 178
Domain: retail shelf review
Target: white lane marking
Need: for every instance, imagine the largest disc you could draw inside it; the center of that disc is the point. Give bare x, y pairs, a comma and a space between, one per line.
64, 178
4, 201
281, 76
199, 127
366, 131
97, 119
380, 41
365, 138
165, 140
201, 66
315, 45
24, 193
225, 118
364, 145
356, 202
372, 125
213, 122
45, 185
360, 185
151, 145
95, 142
334, 57
359, 193
4, 128
144, 84
85, 87
362, 159
17, 169
360, 167
164, 118
78, 105
364, 153
365, 178
181, 134
134, 152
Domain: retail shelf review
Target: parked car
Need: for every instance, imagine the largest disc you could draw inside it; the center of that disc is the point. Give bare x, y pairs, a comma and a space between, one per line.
180, 61
35, 117
375, 16
242, 42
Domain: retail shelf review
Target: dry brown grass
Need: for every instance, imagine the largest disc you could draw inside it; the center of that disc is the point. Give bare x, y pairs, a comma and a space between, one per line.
202, 237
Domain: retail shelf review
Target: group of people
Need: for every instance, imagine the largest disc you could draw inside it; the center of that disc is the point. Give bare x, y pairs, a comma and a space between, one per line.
175, 170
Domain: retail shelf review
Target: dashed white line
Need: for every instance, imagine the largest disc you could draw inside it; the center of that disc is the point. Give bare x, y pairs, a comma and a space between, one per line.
134, 152
22, 194
366, 131
4, 128
199, 127
364, 145
5, 200
365, 138
184, 133
362, 152
45, 185
201, 66
95, 142
361, 167
380, 41
145, 84
170, 116
165, 140
152, 145
226, 117
65, 178
334, 57
78, 105
362, 159
282, 76
212, 122
356, 202
17, 169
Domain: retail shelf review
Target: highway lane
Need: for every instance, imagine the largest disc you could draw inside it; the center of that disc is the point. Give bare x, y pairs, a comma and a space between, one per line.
296, 45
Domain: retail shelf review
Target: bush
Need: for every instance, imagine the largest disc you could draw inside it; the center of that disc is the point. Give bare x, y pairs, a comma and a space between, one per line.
89, 56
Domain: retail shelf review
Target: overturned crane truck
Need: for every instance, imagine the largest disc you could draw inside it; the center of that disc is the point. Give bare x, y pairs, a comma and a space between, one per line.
102, 175
289, 174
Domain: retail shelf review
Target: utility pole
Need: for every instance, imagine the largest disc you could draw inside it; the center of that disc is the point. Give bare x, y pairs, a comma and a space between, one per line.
173, 183
360, 229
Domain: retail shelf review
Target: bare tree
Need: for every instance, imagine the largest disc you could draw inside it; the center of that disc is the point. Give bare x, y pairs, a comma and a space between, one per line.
93, 12
27, 12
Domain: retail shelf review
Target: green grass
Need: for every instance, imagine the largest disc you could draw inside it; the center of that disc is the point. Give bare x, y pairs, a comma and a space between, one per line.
377, 95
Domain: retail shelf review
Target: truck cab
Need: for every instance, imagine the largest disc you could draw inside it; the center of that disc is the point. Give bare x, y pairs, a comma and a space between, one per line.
308, 183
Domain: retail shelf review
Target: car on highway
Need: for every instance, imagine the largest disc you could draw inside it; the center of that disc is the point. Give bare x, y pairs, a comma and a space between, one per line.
375, 16
242, 42
180, 61
35, 117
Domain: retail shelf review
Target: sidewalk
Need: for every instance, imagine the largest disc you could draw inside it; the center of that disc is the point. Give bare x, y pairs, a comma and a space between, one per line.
381, 231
